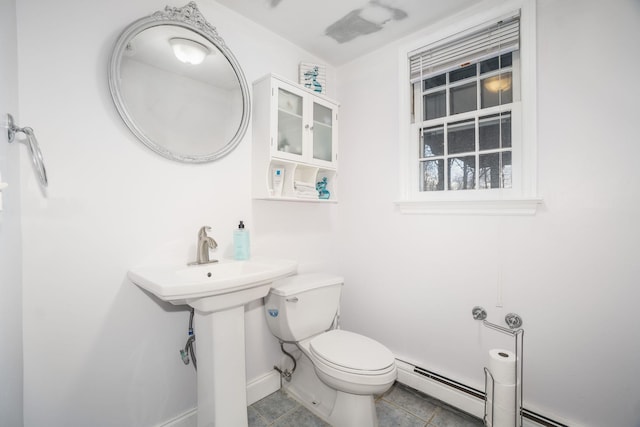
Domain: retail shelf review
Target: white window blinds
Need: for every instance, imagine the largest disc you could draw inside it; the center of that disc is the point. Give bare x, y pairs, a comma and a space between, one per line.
471, 46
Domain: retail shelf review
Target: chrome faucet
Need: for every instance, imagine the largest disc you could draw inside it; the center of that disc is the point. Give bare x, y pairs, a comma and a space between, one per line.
202, 249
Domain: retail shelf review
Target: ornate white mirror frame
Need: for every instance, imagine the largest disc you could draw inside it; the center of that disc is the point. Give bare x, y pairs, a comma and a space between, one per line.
186, 109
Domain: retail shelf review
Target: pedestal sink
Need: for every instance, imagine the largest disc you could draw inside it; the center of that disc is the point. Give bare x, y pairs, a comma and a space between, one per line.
218, 293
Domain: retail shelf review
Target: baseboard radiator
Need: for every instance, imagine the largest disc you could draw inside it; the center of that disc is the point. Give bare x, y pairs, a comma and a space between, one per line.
459, 395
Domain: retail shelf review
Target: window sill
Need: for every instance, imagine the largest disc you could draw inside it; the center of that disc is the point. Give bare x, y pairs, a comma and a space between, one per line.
470, 207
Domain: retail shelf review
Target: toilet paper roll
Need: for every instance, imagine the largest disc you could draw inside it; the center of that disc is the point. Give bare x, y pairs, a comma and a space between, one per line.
502, 365
504, 396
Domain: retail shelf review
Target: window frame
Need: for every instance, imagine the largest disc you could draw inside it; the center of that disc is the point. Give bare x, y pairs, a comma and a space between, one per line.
522, 198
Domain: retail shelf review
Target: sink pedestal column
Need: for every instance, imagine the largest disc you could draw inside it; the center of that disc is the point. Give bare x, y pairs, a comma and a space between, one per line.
222, 383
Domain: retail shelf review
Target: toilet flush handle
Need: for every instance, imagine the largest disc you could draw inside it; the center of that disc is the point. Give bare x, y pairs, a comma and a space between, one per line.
294, 299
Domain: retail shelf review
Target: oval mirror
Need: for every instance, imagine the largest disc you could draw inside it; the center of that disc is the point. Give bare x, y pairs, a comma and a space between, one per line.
178, 87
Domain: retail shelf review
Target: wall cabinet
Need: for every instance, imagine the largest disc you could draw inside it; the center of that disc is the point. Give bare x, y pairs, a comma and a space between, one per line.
295, 141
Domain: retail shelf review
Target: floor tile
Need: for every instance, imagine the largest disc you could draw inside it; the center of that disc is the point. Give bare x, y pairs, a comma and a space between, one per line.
447, 418
390, 415
411, 401
275, 406
255, 419
300, 417
401, 406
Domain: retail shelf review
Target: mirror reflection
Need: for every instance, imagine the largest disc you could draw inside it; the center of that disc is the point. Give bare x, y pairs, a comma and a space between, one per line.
179, 88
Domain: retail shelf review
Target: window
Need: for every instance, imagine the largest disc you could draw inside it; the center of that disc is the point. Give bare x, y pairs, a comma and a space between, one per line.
465, 126
466, 137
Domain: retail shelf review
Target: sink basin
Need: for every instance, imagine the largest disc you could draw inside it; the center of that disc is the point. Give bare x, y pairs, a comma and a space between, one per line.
215, 286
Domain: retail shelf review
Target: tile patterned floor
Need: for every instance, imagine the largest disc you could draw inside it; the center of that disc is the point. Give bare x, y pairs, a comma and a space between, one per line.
401, 406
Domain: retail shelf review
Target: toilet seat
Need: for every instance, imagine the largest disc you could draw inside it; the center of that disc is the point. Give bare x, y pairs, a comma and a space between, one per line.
352, 353
350, 362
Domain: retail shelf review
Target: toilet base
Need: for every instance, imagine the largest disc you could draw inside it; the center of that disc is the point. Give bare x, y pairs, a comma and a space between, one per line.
354, 410
336, 408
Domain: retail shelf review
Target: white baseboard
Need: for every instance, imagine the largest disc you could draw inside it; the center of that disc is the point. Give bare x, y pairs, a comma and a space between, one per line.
262, 386
188, 419
257, 389
451, 396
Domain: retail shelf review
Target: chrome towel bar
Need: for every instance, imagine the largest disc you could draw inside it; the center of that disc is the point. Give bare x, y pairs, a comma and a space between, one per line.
36, 155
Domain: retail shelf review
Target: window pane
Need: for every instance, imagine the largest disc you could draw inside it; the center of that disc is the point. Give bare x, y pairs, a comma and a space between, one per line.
432, 173
461, 137
289, 122
435, 105
289, 133
506, 60
462, 173
506, 130
495, 170
432, 142
462, 73
289, 102
489, 173
489, 132
493, 129
496, 63
436, 81
496, 90
322, 132
506, 169
463, 98
322, 114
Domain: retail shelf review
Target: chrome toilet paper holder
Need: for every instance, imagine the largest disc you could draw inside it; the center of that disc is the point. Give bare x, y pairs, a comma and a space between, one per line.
515, 330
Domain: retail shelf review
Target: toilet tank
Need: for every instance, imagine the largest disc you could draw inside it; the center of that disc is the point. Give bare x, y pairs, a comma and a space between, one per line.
301, 306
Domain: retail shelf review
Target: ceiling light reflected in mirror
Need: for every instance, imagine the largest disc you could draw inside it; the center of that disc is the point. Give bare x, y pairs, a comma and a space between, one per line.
188, 51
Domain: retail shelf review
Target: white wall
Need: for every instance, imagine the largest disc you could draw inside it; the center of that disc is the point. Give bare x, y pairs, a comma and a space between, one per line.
10, 241
570, 271
98, 350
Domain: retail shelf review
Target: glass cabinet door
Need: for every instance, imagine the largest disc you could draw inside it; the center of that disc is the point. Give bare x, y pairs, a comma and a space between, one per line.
322, 133
290, 125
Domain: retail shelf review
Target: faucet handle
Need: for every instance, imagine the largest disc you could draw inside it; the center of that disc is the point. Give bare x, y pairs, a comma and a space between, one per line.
203, 231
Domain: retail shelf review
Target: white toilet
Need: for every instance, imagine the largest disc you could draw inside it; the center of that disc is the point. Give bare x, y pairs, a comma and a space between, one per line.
337, 372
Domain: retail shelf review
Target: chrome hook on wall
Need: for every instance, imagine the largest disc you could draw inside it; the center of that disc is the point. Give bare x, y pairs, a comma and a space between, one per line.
513, 320
34, 148
479, 313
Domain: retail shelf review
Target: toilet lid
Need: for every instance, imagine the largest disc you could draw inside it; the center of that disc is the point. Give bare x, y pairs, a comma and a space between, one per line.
352, 351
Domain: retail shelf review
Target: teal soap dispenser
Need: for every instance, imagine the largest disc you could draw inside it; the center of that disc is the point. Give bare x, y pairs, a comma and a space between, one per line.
241, 243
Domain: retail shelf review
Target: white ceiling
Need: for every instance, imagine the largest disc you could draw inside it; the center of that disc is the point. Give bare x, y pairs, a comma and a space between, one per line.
340, 30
